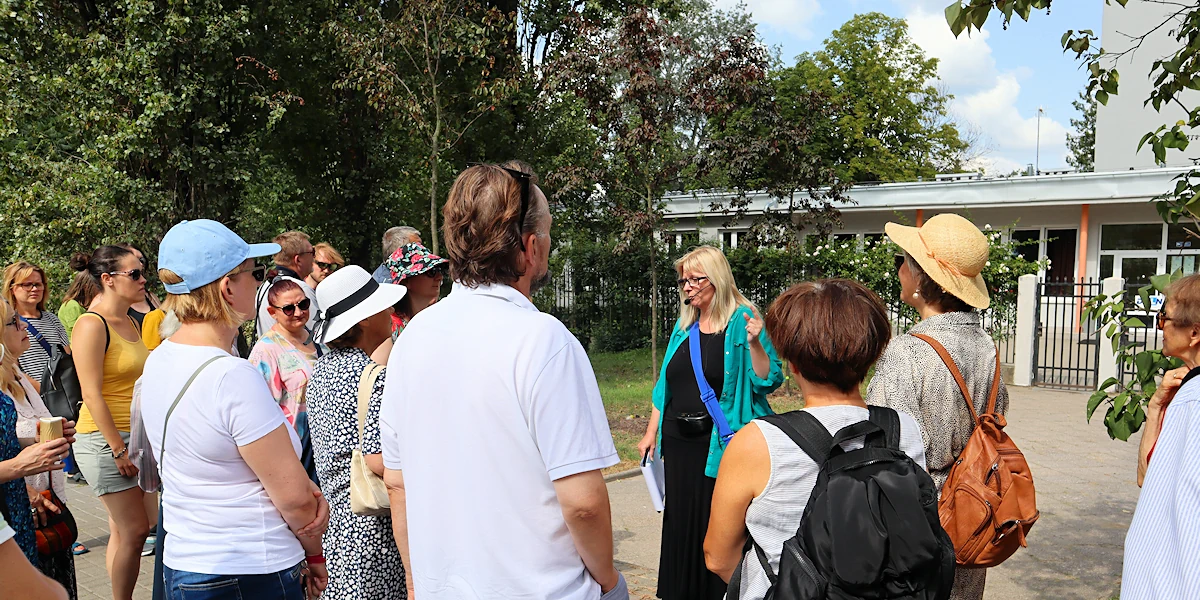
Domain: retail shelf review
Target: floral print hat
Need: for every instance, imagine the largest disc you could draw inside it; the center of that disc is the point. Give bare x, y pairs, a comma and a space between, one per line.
412, 259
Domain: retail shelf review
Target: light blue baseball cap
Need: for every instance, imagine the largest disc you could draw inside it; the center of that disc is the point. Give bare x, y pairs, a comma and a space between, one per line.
203, 251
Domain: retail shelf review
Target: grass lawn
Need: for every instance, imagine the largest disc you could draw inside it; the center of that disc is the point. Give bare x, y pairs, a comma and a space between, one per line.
626, 384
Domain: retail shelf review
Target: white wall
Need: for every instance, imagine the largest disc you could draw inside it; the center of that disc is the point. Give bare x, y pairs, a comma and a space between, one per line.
1123, 122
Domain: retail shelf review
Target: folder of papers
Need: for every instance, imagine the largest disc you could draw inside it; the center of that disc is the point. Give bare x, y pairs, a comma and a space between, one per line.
652, 471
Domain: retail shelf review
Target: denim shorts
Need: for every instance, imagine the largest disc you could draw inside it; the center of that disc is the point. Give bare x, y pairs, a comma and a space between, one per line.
185, 585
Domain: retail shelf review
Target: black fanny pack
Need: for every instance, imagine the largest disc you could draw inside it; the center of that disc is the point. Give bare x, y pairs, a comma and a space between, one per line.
694, 424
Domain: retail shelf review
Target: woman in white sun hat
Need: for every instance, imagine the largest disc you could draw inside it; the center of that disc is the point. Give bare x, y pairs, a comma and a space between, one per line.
364, 562
941, 278
242, 515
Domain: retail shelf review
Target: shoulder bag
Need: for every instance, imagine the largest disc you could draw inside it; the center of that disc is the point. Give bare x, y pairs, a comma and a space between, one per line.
60, 530
59, 383
368, 495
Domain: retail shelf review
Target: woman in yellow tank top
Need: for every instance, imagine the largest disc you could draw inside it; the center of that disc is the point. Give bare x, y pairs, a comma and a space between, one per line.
109, 356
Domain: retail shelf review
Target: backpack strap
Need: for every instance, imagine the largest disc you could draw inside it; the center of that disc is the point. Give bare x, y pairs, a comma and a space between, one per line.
958, 378
889, 421
762, 560
994, 393
37, 335
806, 432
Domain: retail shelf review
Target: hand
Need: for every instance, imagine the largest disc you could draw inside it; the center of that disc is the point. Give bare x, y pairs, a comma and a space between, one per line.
316, 578
42, 507
316, 529
69, 431
646, 445
1166, 390
754, 327
42, 457
125, 466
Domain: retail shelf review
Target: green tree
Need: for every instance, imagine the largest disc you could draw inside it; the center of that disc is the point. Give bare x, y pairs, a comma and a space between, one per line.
1082, 143
889, 122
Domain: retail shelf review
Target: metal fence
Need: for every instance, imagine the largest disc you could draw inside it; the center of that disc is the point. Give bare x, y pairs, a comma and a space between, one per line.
1146, 337
1067, 351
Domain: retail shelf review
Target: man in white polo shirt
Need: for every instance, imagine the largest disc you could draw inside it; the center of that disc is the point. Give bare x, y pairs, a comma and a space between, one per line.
492, 426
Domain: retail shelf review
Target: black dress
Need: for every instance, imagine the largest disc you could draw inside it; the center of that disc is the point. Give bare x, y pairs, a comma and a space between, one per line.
682, 574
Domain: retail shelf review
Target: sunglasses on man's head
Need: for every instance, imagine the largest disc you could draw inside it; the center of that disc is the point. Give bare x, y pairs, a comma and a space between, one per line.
523, 179
331, 267
290, 309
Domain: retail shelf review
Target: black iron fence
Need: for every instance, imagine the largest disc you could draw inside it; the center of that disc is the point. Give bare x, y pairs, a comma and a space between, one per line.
1067, 351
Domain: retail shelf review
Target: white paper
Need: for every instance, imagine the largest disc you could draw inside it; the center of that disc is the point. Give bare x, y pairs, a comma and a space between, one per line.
652, 471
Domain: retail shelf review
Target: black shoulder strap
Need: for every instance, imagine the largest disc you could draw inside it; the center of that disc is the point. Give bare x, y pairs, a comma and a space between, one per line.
806, 431
107, 339
889, 421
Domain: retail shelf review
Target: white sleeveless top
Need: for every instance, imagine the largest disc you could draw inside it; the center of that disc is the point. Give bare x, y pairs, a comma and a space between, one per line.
774, 515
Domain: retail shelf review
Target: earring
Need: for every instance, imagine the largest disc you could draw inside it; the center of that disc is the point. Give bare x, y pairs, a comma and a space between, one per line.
916, 295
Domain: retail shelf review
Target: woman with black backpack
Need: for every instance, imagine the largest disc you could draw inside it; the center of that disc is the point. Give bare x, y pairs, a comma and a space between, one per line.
830, 332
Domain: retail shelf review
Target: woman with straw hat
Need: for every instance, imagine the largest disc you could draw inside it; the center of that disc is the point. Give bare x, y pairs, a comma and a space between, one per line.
940, 277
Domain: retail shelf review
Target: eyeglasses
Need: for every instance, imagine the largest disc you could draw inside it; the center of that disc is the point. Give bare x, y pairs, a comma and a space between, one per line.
134, 274
324, 266
290, 309
258, 272
312, 251
695, 281
13, 323
29, 286
434, 274
1161, 320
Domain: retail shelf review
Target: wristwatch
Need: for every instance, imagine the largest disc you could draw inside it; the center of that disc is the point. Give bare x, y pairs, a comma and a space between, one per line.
122, 453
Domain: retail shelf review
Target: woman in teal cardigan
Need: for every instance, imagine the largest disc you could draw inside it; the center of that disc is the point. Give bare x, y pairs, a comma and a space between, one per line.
740, 366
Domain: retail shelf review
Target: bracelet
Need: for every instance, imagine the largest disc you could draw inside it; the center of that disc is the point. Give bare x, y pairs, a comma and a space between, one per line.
318, 559
123, 452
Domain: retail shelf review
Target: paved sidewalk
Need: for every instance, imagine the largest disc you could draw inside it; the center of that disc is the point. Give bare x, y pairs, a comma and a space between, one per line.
1086, 493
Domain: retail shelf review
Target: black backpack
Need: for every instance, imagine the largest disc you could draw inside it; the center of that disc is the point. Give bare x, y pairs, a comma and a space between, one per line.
870, 529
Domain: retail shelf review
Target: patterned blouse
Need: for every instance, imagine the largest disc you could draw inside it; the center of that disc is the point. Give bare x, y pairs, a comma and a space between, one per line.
287, 370
910, 377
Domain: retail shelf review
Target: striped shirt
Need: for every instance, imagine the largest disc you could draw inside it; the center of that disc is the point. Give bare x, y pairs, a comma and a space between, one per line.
33, 361
1162, 547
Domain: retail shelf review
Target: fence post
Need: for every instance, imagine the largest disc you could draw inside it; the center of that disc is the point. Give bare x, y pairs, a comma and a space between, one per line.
1027, 299
1107, 366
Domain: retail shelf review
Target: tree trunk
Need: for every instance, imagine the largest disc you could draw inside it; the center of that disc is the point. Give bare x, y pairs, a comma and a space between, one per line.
433, 178
653, 292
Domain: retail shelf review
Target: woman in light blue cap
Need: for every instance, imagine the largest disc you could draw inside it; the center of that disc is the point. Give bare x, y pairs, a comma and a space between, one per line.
243, 518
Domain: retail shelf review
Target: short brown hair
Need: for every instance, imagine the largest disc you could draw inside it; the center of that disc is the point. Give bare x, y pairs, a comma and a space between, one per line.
21, 270
932, 291
483, 237
1185, 293
290, 243
831, 330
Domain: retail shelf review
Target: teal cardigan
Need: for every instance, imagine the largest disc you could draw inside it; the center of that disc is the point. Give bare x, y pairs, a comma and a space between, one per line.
744, 394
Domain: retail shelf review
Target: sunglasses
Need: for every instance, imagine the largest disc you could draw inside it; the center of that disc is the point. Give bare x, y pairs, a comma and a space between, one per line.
134, 274
290, 309
324, 266
1161, 319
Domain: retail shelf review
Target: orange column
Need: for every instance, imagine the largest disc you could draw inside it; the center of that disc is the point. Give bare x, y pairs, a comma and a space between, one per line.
1083, 248
920, 217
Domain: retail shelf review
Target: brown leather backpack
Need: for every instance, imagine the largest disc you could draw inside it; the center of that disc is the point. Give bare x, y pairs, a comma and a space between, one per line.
988, 503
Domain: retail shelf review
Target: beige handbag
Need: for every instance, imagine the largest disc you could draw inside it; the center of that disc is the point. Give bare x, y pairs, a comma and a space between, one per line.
368, 495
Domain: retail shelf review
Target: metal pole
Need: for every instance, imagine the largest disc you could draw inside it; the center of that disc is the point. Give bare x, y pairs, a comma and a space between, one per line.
1037, 160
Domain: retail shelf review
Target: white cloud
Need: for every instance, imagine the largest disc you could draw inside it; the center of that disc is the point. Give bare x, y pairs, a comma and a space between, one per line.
987, 97
793, 17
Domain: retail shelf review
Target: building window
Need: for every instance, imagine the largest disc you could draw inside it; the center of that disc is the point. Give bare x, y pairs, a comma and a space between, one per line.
682, 241
1179, 237
870, 240
1131, 237
1029, 243
729, 239
1060, 249
845, 238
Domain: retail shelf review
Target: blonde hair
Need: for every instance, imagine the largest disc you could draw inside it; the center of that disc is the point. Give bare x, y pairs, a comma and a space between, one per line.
726, 296
20, 270
9, 370
331, 252
201, 305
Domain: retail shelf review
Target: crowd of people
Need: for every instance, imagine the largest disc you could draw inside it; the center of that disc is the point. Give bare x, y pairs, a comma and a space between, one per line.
377, 441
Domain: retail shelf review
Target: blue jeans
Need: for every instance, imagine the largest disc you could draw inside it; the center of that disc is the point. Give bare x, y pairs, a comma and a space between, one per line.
284, 585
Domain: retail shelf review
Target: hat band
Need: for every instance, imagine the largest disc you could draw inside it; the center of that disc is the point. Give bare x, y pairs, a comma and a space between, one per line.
942, 263
343, 306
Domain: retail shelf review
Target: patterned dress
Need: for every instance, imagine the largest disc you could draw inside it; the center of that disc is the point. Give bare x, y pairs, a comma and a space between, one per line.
910, 377
14, 500
363, 561
287, 370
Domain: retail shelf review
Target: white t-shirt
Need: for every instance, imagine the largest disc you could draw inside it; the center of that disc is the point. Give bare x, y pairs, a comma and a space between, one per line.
6, 532
487, 402
218, 516
265, 321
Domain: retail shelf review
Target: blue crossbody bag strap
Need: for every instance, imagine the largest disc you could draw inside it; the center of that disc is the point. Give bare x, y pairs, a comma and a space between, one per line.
707, 395
37, 335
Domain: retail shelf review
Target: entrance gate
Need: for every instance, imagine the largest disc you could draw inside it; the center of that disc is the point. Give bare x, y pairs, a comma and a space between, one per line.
1067, 351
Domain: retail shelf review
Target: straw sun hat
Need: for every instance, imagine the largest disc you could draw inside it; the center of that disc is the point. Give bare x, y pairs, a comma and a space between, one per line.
952, 251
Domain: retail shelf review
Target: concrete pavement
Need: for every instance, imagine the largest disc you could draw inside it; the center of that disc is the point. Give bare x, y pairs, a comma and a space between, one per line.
1086, 492
1086, 486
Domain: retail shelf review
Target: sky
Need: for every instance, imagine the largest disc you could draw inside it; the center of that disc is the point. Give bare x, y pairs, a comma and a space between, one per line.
998, 78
